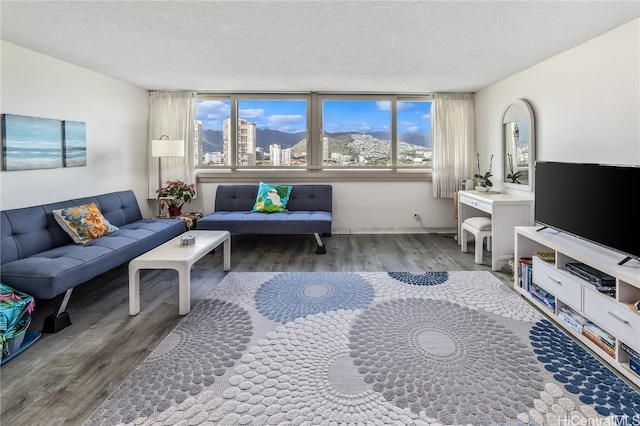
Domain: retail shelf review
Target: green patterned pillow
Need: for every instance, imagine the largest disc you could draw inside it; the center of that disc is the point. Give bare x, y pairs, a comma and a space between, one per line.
83, 223
272, 198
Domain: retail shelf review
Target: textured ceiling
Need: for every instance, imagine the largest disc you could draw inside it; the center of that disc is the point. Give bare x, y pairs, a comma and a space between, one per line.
346, 46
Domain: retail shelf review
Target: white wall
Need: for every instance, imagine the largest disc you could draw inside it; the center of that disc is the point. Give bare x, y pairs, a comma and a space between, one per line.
586, 103
388, 207
116, 117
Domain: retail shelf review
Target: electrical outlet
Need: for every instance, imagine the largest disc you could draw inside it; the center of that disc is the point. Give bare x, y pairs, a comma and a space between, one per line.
416, 216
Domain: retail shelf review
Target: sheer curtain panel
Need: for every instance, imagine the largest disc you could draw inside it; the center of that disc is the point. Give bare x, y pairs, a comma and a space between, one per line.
454, 141
171, 114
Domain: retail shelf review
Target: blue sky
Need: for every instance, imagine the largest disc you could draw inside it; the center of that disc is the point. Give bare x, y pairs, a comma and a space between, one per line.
339, 115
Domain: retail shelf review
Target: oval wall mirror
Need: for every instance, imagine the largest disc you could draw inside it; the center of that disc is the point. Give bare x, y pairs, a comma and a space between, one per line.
518, 146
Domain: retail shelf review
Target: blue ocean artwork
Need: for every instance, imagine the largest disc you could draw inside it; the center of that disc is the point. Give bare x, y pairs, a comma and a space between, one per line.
75, 144
31, 143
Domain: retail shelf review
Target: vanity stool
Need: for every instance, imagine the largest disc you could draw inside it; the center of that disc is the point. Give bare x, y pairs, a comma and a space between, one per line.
480, 227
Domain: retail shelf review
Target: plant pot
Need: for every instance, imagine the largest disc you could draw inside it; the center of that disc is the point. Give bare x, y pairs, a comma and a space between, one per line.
175, 211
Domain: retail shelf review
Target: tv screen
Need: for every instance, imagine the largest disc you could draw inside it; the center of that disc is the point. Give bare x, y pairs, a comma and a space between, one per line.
591, 201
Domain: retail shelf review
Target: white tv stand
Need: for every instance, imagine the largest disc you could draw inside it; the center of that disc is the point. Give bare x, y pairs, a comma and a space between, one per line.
612, 314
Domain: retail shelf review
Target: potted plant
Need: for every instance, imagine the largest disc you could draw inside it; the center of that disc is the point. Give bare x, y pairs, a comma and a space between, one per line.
175, 195
484, 180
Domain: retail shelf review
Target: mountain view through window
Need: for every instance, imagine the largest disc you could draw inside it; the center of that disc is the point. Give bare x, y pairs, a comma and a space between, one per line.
273, 133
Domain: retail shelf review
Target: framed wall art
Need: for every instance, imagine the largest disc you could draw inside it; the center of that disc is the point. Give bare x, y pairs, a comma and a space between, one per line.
74, 143
31, 143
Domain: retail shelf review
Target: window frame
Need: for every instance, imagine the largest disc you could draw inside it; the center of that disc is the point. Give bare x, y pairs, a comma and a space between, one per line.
357, 97
314, 169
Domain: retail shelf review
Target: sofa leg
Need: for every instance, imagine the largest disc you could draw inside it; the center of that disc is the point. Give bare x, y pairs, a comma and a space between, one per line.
59, 319
320, 249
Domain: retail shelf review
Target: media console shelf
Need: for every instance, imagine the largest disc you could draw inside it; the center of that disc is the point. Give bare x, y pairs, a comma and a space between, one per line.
573, 302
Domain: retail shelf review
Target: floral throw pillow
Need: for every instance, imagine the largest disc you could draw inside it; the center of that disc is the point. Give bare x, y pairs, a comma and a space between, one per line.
272, 198
83, 223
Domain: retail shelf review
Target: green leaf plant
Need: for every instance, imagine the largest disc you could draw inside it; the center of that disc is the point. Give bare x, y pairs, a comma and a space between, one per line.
485, 178
515, 177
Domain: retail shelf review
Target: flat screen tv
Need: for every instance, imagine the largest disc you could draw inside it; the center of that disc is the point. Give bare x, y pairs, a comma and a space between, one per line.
595, 202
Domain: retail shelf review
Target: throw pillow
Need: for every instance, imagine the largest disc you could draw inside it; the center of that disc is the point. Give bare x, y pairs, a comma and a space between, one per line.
272, 198
83, 223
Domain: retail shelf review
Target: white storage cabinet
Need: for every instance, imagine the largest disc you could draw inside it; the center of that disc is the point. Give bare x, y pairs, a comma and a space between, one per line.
612, 314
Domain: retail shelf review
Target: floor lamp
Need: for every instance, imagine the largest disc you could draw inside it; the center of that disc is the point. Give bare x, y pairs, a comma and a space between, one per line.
165, 147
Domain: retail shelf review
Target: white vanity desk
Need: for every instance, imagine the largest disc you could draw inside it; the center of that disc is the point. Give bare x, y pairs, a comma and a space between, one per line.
506, 211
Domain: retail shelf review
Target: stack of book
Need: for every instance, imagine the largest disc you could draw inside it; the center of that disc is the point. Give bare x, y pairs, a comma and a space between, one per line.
601, 338
542, 296
524, 272
634, 358
571, 317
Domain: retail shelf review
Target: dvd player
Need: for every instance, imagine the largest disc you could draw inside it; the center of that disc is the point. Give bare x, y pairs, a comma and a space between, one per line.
591, 275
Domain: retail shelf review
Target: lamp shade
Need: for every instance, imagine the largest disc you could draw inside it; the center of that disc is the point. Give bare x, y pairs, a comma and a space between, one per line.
167, 148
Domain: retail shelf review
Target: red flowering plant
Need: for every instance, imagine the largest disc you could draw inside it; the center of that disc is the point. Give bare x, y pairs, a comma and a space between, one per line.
176, 193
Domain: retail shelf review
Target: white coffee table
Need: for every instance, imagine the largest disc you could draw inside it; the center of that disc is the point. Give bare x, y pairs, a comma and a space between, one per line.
174, 255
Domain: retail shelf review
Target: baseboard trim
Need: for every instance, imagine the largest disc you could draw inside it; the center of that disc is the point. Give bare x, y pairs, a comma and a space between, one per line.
349, 231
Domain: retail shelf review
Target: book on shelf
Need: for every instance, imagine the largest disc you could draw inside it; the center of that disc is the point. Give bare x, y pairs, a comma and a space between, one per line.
600, 338
634, 358
634, 365
607, 338
632, 352
571, 317
524, 272
542, 296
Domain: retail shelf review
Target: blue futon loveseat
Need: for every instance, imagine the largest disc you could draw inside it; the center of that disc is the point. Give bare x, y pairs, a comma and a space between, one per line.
309, 211
40, 259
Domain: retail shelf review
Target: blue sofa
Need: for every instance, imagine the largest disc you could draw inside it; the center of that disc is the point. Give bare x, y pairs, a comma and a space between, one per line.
309, 211
40, 259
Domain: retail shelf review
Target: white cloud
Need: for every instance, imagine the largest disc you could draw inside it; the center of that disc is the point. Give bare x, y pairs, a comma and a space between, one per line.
251, 113
213, 109
280, 119
403, 106
212, 113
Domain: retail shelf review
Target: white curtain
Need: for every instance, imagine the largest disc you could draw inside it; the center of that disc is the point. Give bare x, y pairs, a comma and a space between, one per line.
171, 114
454, 142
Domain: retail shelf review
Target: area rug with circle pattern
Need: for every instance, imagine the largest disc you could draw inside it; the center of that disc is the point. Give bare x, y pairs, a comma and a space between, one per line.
370, 348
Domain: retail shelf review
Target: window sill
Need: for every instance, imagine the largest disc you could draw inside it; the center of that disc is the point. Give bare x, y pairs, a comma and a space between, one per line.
326, 175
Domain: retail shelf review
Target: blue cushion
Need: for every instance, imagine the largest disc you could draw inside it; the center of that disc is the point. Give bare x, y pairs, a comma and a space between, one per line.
235, 198
45, 275
40, 259
308, 211
290, 222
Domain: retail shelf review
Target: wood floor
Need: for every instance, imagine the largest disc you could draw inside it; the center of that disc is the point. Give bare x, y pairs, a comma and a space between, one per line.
64, 377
